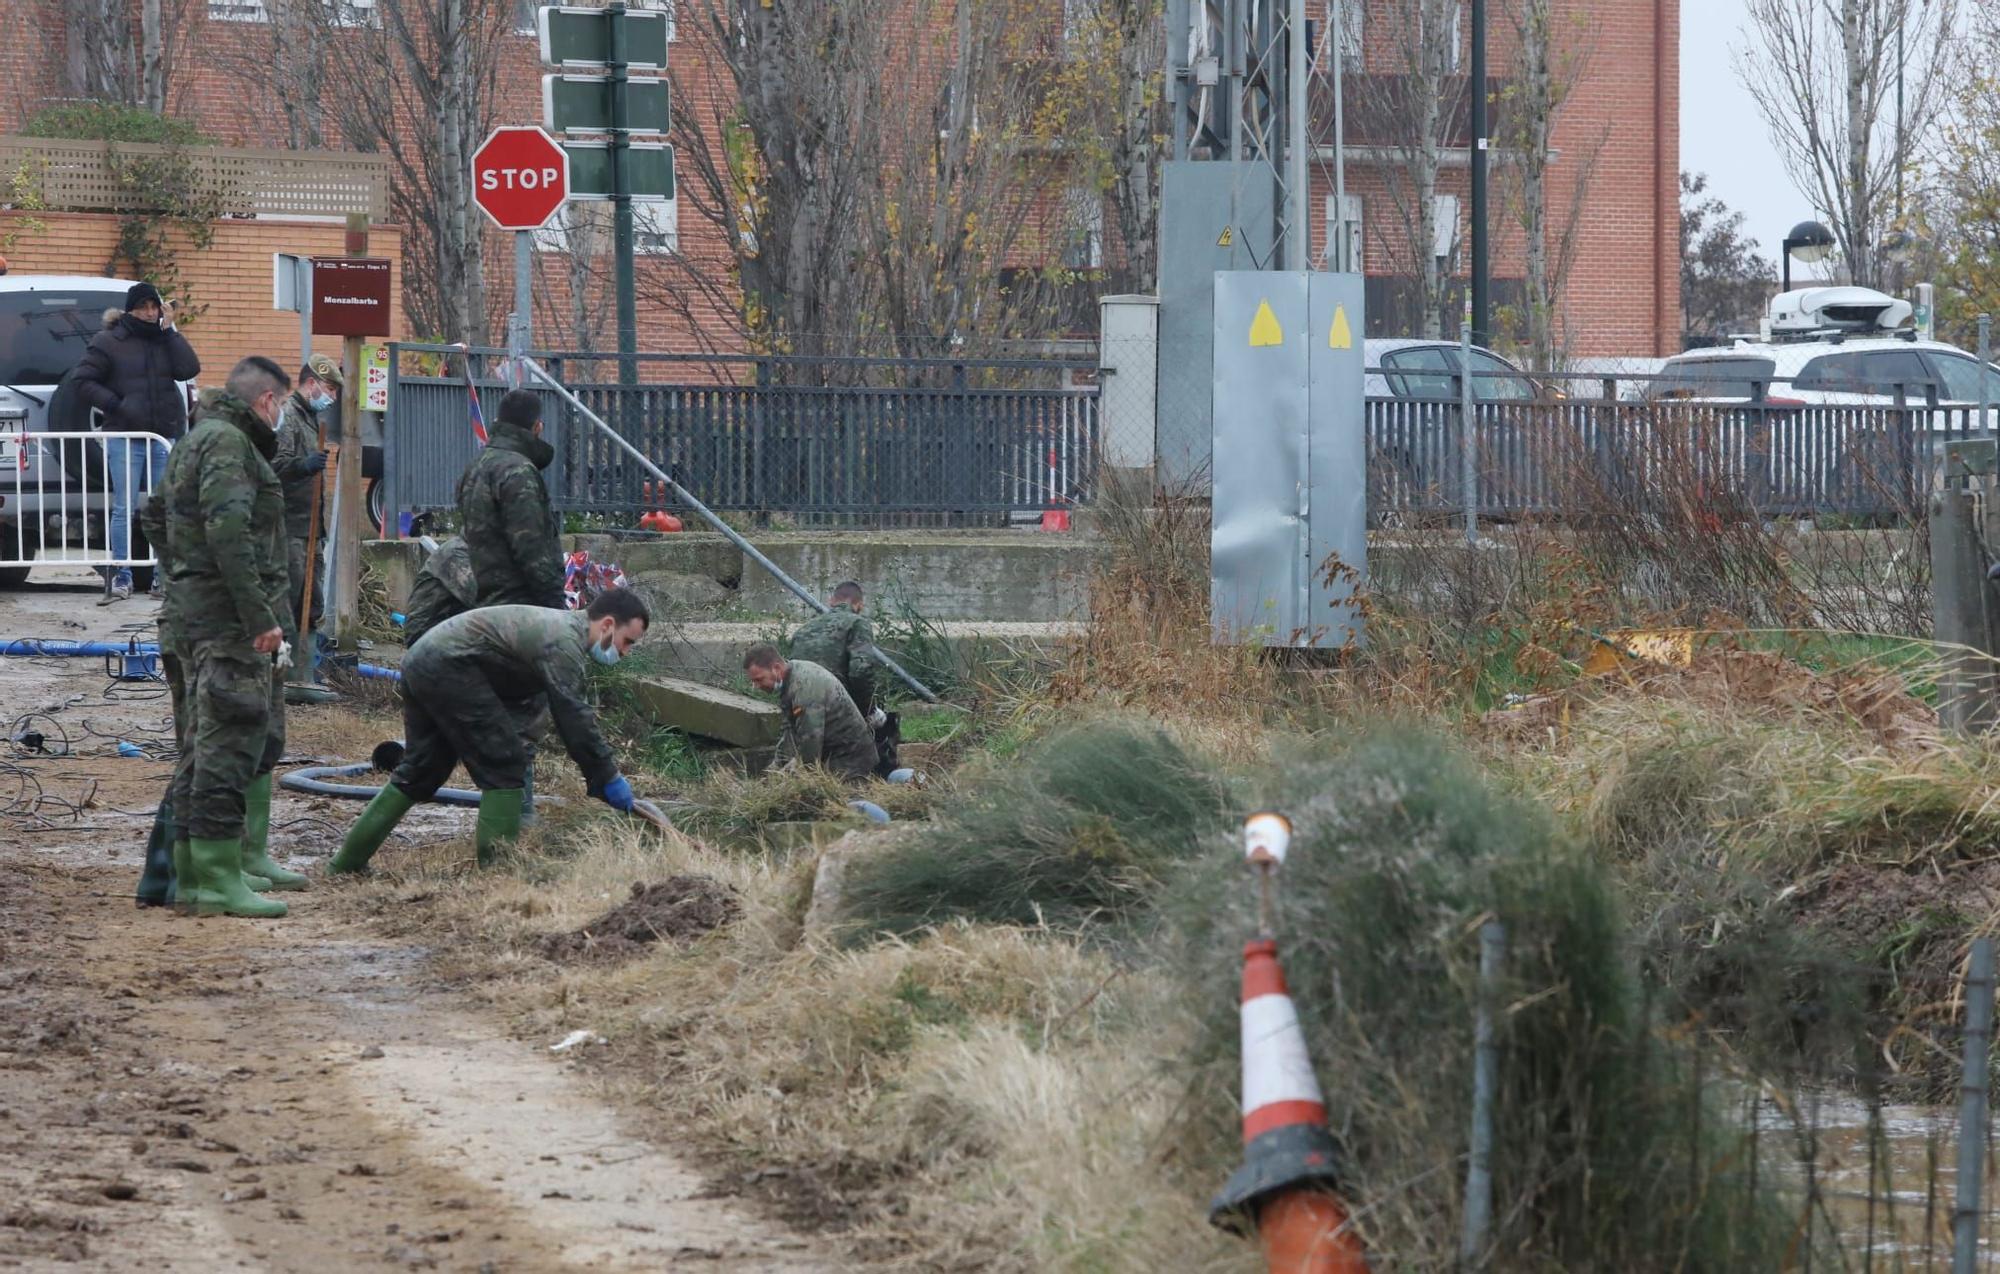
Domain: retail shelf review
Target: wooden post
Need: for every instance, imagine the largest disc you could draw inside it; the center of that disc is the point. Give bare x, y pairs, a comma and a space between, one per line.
347, 529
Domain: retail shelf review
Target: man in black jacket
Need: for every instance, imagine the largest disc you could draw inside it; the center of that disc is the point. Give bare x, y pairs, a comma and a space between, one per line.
132, 373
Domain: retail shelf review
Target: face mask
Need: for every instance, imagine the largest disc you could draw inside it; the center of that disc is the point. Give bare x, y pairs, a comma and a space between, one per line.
607, 654
320, 402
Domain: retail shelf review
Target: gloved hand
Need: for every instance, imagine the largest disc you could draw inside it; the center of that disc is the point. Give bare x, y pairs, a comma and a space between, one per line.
316, 462
878, 718
618, 795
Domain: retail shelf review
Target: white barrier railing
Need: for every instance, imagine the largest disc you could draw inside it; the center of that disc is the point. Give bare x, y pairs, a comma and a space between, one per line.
59, 501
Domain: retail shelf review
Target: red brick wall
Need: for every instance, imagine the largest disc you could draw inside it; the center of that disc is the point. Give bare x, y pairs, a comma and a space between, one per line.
232, 278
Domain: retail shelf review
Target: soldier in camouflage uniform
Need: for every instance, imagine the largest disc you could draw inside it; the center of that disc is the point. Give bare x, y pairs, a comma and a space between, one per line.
298, 464
444, 588
503, 510
226, 589
840, 641
462, 687
822, 725
509, 530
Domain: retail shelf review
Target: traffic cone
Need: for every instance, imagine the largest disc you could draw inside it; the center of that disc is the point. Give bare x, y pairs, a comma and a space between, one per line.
1285, 1189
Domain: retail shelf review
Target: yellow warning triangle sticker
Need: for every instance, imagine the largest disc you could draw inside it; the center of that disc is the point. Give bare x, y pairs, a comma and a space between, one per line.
1264, 329
1227, 237
1341, 337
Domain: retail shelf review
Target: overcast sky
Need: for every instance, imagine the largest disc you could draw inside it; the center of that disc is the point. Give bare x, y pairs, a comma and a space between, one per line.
1722, 134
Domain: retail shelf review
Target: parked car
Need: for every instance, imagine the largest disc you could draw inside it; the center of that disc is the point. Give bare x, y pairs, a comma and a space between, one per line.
1836, 347
49, 493
1414, 443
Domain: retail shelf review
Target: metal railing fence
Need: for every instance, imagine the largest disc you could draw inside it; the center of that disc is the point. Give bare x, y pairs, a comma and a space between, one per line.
806, 436
57, 496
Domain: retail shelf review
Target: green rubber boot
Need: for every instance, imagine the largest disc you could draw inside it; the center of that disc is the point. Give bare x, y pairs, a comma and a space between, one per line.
219, 887
499, 821
257, 838
183, 879
370, 830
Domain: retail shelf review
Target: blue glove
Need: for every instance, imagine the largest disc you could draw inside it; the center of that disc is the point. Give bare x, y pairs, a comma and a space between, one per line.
618, 795
316, 462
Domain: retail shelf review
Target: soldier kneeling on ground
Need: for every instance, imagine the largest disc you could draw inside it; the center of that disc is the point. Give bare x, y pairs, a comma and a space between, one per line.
466, 685
822, 725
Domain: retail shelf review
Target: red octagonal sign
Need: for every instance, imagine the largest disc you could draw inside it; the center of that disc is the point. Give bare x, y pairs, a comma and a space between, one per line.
520, 177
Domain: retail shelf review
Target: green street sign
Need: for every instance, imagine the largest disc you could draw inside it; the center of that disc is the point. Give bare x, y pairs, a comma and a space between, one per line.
649, 170
582, 104
570, 36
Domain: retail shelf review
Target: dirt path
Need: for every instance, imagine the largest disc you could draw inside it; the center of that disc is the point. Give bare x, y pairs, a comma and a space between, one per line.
277, 1095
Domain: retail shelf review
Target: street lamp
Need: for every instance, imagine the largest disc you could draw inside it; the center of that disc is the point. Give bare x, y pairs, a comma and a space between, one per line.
1809, 241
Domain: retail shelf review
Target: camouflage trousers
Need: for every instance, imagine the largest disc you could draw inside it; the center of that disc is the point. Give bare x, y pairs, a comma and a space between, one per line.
295, 566
451, 713
229, 715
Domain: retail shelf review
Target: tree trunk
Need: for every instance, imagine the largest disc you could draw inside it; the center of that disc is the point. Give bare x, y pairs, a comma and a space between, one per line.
1136, 161
98, 48
1538, 104
154, 73
1859, 215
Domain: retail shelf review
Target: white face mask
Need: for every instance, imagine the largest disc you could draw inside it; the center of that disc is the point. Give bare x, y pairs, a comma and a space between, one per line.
607, 654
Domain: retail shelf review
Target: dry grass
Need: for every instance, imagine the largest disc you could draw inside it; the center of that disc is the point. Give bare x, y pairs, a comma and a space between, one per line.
966, 1100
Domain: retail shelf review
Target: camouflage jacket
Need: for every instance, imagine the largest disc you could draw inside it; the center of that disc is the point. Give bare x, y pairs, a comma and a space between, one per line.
224, 527
503, 509
298, 441
523, 651
444, 588
822, 725
840, 642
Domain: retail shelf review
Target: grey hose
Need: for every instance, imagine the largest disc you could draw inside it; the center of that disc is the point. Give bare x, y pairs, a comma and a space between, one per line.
312, 779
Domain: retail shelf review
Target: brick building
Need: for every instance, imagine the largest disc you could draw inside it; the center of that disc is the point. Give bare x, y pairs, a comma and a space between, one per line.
1614, 174
231, 72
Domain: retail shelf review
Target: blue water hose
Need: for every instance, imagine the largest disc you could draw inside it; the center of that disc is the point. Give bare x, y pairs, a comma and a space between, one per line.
313, 779
62, 648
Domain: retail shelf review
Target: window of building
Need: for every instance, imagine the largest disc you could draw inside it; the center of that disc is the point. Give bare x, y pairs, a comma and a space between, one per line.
1444, 227
655, 227
237, 11
1353, 16
1083, 221
1345, 220
353, 13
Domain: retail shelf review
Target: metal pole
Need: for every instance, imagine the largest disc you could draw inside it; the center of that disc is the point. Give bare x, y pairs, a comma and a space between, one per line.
621, 203
521, 329
1298, 193
1985, 370
1485, 1084
1468, 442
345, 579
302, 273
750, 550
1972, 1108
1341, 263
1481, 266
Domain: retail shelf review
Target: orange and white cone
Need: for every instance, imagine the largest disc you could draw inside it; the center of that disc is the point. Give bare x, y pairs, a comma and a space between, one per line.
1291, 1169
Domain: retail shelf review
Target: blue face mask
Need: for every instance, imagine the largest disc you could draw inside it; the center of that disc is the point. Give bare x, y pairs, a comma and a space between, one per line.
607, 654
321, 402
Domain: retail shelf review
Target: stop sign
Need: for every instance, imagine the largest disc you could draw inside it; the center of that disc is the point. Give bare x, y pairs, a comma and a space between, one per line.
520, 177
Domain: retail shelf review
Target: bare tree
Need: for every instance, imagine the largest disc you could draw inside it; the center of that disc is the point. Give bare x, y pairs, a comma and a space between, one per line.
153, 56
287, 57
1412, 106
97, 47
433, 61
1106, 108
1824, 74
1552, 57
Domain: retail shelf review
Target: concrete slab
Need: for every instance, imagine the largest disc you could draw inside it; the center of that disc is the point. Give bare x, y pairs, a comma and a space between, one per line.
397, 563
708, 711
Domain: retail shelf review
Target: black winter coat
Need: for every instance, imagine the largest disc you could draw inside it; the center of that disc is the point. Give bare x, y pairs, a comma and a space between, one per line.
130, 373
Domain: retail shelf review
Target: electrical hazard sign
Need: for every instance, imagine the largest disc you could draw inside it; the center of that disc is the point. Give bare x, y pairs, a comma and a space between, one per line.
1340, 335
1226, 238
1265, 330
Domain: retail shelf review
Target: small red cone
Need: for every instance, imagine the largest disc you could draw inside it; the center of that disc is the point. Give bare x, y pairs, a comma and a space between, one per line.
1055, 519
1291, 1168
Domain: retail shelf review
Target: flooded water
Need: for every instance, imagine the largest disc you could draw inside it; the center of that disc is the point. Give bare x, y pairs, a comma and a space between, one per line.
1882, 1185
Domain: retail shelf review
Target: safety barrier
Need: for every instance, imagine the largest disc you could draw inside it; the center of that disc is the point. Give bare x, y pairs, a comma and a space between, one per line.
57, 501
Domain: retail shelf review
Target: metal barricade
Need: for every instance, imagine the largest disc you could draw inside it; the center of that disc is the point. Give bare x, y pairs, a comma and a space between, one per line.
59, 496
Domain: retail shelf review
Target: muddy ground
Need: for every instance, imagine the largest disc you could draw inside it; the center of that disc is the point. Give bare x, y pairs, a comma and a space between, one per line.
299, 1094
